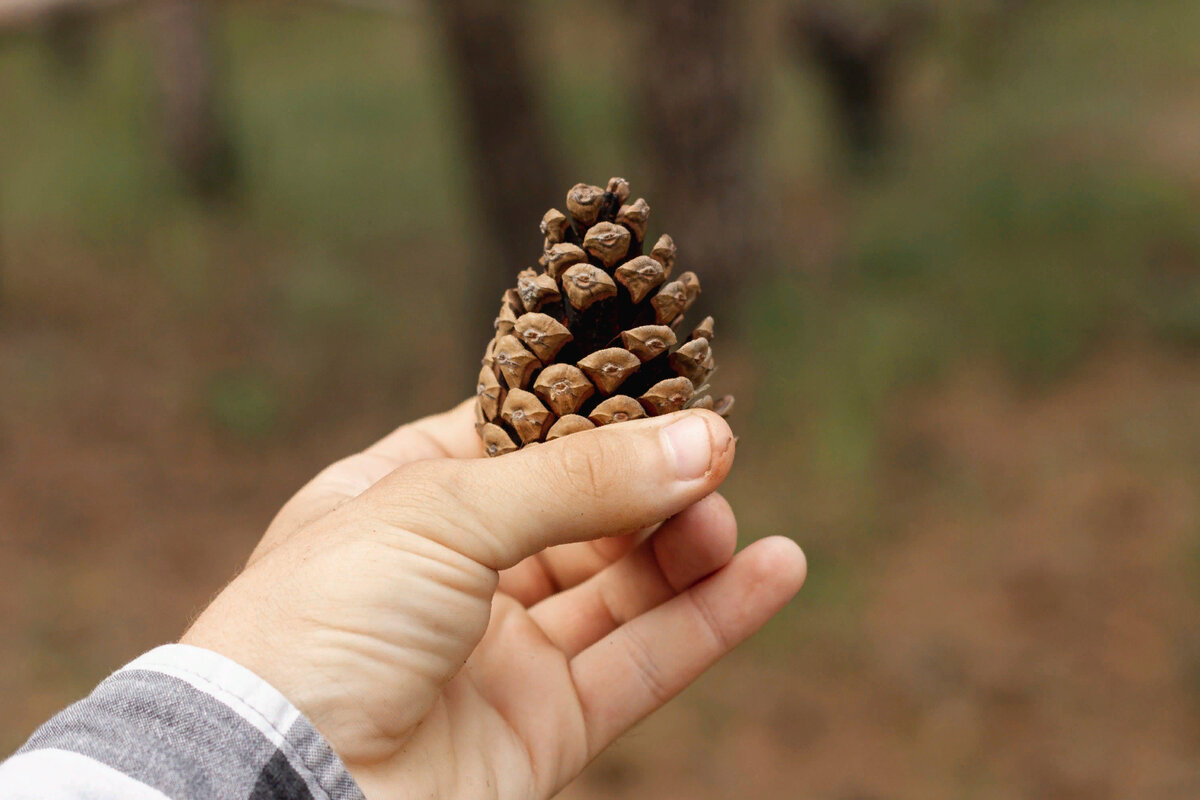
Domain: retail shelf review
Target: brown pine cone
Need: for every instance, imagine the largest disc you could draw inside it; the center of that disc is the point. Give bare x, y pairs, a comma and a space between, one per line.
592, 338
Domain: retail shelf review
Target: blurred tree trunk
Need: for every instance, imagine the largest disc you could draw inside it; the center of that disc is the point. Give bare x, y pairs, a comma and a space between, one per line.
515, 163
198, 142
68, 34
856, 51
695, 107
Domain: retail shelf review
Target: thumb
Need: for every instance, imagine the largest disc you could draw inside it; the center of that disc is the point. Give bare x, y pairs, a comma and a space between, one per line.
587, 485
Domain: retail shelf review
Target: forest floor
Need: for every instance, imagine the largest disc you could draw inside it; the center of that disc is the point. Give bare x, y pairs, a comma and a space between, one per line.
967, 378
1016, 621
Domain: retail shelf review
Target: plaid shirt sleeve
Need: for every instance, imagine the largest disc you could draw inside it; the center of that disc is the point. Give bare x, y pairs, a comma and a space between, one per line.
184, 723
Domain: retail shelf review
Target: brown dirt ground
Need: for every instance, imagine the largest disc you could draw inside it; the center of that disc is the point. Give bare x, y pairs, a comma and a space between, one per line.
1029, 632
1027, 627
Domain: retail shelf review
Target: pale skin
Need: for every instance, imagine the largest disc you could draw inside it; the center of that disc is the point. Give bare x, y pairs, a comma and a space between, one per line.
463, 627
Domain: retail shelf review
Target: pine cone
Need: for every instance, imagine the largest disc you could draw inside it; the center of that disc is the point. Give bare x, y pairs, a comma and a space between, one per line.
592, 339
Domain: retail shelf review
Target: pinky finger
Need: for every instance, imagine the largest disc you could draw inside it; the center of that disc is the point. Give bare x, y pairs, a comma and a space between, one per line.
647, 661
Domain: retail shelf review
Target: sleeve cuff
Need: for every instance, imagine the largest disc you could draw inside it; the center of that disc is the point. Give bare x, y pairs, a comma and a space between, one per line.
192, 723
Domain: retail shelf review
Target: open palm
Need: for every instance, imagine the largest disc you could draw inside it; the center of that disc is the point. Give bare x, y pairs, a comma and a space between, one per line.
444, 641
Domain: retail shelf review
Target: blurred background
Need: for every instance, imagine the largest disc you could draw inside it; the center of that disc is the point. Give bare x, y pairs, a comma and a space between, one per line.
953, 249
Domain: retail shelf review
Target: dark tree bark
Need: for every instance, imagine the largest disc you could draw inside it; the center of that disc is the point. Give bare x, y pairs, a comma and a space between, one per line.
696, 115
67, 33
515, 164
197, 139
856, 51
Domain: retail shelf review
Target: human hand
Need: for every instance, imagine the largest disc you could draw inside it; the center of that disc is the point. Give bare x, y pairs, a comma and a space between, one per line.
465, 627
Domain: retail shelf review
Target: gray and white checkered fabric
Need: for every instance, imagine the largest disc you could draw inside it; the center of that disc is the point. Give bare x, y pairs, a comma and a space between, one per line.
183, 723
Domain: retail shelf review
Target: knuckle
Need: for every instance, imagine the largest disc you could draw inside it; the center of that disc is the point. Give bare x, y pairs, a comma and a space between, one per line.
711, 622
415, 485
646, 667
585, 466
413, 496
431, 499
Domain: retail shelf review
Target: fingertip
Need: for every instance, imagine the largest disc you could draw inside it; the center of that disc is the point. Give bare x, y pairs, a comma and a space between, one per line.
697, 541
463, 406
452, 431
461, 414
717, 423
724, 444
716, 516
780, 565
700, 446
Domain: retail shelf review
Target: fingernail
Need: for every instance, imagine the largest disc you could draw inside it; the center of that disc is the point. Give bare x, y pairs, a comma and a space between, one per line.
690, 444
